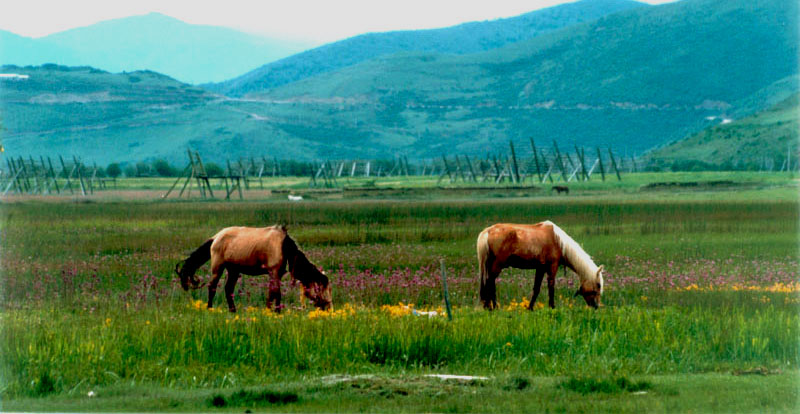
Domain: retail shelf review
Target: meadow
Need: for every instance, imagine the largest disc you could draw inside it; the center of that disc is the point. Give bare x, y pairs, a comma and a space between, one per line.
700, 310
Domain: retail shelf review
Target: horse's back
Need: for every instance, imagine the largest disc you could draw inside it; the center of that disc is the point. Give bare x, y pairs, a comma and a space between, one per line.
514, 231
249, 246
521, 241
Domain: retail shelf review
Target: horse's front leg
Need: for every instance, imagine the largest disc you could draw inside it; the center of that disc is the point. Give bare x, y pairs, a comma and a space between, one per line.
274, 294
216, 273
551, 284
537, 284
230, 287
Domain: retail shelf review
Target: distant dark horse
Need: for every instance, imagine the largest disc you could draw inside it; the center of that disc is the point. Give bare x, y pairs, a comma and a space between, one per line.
542, 246
255, 251
560, 189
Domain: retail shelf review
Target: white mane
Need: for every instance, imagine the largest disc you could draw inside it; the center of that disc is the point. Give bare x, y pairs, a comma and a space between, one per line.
577, 258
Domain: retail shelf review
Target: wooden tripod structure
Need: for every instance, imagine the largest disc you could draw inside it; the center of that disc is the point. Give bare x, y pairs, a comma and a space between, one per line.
193, 173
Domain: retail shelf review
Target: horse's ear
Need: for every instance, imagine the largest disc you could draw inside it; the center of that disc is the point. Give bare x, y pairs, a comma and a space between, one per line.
283, 227
600, 269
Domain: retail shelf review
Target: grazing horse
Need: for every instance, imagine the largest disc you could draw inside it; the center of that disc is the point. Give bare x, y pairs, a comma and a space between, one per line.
542, 246
560, 189
255, 251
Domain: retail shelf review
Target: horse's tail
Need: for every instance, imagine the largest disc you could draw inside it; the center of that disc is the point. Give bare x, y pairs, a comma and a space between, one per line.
188, 267
483, 257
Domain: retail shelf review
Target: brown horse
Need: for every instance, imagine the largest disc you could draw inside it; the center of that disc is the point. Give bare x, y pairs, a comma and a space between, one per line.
255, 251
543, 247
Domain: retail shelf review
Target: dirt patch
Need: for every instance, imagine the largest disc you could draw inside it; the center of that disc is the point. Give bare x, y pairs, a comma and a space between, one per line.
388, 387
757, 371
457, 377
692, 185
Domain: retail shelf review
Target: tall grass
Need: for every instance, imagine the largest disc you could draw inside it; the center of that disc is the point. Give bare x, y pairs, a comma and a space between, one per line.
89, 295
182, 347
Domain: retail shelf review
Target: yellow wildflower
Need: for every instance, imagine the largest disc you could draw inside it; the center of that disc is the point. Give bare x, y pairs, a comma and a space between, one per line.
778, 287
398, 310
344, 312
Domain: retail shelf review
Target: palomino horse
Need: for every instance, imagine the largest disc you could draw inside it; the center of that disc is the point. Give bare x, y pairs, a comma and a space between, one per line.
255, 251
542, 246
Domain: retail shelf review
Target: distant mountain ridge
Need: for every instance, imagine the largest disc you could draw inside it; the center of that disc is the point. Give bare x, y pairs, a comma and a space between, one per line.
633, 80
640, 78
188, 52
679, 53
461, 39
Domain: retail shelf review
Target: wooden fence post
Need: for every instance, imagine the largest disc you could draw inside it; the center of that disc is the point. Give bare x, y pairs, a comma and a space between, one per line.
514, 162
536, 160
446, 295
614, 164
560, 163
600, 160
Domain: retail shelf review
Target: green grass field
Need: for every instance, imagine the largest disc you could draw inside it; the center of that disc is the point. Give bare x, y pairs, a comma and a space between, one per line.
700, 312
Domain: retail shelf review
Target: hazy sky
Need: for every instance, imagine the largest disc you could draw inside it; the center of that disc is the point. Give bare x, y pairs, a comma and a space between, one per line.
317, 21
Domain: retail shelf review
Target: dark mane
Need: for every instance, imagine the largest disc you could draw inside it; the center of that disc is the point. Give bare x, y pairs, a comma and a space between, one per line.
188, 267
299, 266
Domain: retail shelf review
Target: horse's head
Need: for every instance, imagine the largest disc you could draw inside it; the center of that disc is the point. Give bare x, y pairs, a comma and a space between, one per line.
316, 286
591, 290
318, 291
186, 276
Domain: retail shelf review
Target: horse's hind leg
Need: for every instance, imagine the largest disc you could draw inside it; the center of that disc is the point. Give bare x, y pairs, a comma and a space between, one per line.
537, 284
489, 295
492, 290
494, 294
488, 292
230, 286
216, 273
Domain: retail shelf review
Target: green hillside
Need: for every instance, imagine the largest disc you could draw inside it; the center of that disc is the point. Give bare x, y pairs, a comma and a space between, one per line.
633, 80
461, 39
105, 117
191, 53
695, 53
760, 141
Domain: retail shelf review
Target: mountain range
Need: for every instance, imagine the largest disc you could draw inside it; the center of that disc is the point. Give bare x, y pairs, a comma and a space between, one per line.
187, 52
462, 39
633, 78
